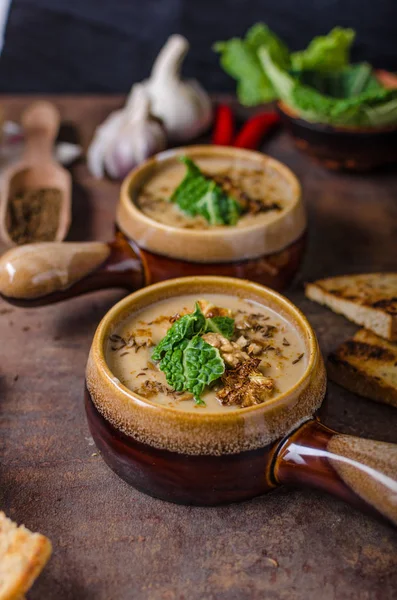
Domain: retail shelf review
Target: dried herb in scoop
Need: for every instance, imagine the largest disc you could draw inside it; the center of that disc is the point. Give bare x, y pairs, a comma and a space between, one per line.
33, 215
198, 194
191, 364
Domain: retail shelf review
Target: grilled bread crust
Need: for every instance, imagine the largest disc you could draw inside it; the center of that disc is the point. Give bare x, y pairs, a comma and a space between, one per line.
369, 300
23, 555
367, 366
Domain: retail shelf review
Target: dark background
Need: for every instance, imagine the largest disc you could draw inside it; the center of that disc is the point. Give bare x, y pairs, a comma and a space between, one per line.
106, 45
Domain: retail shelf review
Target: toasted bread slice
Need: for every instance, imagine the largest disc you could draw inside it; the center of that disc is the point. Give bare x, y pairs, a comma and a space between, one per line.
23, 555
368, 300
366, 365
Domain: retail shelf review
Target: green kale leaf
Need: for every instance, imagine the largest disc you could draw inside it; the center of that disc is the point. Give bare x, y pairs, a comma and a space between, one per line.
318, 82
349, 82
350, 97
325, 52
184, 328
172, 366
189, 362
239, 58
222, 325
202, 364
200, 195
191, 365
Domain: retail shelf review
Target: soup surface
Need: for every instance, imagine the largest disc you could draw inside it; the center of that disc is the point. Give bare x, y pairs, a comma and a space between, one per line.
262, 340
263, 188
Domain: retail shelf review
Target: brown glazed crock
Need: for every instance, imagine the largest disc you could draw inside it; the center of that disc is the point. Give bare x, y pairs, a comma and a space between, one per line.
341, 148
213, 458
145, 251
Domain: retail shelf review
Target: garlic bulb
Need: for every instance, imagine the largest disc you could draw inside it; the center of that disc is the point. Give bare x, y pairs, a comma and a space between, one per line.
130, 135
183, 106
127, 138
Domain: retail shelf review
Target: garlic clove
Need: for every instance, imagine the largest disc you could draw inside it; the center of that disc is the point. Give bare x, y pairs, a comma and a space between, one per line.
127, 137
119, 159
169, 60
137, 138
103, 136
132, 147
183, 105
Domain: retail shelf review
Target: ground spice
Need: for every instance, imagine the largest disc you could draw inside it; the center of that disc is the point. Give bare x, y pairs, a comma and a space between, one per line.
33, 215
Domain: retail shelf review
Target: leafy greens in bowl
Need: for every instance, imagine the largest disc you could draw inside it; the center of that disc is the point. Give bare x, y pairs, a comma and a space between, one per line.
318, 83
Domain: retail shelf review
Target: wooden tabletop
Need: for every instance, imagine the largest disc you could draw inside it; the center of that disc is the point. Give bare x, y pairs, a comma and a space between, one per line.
114, 543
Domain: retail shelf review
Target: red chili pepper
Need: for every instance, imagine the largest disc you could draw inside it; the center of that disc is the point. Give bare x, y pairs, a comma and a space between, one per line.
254, 130
224, 126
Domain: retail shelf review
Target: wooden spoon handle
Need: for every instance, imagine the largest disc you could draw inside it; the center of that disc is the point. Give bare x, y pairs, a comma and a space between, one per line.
40, 274
40, 122
360, 471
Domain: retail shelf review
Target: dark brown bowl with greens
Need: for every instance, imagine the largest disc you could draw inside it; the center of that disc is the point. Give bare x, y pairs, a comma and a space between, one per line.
342, 114
341, 148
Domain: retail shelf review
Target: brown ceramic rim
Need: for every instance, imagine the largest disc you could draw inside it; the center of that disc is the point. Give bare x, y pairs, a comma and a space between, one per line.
209, 246
189, 433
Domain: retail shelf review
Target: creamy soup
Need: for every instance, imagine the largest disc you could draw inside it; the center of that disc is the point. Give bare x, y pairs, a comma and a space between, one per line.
263, 190
264, 346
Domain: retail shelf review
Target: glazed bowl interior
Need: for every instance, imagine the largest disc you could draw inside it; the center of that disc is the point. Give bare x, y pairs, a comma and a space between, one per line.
198, 432
270, 233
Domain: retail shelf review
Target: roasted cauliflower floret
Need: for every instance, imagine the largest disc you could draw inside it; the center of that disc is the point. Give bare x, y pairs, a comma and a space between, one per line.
245, 385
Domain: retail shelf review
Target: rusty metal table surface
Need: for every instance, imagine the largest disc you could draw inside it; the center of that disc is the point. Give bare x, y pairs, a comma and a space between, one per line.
114, 543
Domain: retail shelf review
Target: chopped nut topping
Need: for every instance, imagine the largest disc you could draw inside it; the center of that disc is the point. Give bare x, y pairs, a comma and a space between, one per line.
230, 351
210, 310
242, 342
215, 339
254, 348
245, 385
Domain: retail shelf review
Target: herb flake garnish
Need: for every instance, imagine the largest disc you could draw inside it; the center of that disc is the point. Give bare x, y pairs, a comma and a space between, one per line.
298, 359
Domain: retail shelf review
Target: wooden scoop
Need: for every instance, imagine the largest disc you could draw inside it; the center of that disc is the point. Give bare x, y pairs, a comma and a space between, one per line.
37, 169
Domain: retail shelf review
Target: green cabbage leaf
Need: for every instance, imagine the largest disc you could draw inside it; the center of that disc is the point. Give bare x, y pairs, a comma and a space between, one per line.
189, 363
200, 195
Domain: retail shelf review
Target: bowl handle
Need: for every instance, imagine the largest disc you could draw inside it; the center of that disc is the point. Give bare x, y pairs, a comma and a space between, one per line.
44, 273
360, 471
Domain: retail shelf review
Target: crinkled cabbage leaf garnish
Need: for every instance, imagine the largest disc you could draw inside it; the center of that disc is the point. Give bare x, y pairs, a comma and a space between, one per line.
189, 363
318, 82
198, 194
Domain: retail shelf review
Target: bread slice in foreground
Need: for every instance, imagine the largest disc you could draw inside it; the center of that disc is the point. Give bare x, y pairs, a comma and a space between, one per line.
23, 555
368, 300
366, 365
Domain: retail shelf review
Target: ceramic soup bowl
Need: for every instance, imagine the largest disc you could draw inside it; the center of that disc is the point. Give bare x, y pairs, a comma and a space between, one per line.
265, 247
342, 148
210, 457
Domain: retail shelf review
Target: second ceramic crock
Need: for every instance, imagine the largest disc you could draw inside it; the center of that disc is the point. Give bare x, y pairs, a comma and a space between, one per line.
145, 251
223, 244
